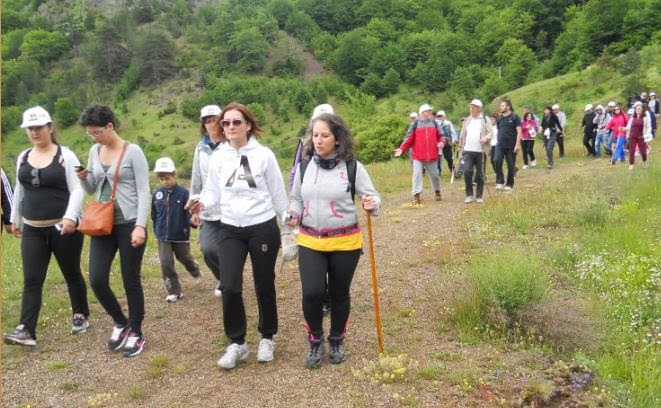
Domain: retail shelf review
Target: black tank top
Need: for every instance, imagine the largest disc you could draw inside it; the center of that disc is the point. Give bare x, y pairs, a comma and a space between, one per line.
45, 191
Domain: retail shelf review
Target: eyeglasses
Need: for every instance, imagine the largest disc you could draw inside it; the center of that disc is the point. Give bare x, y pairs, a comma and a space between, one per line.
35, 177
235, 122
210, 119
96, 133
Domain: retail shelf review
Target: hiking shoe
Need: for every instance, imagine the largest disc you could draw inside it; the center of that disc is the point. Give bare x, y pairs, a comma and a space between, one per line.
218, 292
80, 323
499, 186
21, 336
533, 163
337, 354
438, 195
235, 353
173, 298
525, 166
134, 344
416, 199
468, 199
645, 164
118, 337
507, 188
480, 200
315, 355
265, 350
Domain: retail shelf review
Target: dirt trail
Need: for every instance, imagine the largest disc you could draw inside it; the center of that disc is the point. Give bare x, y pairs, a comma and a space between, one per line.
187, 339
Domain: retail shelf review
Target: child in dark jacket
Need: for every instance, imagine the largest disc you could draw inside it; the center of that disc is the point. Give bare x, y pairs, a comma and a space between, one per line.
172, 228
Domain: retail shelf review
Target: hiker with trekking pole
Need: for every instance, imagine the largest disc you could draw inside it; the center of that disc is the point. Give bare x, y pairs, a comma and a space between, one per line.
474, 142
330, 240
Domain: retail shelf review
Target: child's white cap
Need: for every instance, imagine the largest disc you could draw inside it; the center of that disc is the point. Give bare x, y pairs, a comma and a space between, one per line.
164, 165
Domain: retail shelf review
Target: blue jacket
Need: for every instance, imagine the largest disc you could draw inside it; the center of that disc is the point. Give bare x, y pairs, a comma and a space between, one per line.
171, 221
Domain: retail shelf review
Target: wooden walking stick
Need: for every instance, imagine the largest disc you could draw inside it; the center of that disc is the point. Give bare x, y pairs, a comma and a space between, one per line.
375, 288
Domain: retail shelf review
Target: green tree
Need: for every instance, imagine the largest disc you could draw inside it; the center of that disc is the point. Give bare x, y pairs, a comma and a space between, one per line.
66, 114
44, 46
11, 44
248, 49
289, 65
354, 54
372, 85
106, 53
301, 98
155, 55
391, 81
516, 59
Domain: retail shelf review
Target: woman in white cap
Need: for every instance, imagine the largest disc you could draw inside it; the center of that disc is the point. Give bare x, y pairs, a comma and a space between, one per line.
208, 219
639, 131
45, 212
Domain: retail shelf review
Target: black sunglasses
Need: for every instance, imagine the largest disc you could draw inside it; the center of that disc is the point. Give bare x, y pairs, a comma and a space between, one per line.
35, 177
235, 122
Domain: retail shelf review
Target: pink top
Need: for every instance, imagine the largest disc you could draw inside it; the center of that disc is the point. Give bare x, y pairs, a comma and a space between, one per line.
618, 124
526, 125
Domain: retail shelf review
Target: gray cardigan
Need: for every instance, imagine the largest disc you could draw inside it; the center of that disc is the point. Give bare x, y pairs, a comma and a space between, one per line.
132, 195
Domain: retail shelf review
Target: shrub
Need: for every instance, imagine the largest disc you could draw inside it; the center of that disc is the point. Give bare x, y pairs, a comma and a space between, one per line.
66, 113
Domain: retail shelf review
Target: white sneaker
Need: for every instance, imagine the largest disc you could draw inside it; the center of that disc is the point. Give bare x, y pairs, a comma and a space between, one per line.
507, 188
265, 350
469, 199
235, 353
499, 186
173, 298
533, 163
525, 166
217, 292
631, 167
645, 164
480, 200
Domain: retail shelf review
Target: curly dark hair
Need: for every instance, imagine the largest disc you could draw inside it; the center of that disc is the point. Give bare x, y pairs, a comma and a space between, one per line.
98, 115
346, 144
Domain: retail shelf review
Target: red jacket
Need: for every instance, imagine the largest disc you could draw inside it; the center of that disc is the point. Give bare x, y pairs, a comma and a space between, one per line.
424, 136
616, 122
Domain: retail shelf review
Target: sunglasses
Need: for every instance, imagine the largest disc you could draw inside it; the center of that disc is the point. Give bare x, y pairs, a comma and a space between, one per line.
209, 119
235, 122
35, 177
35, 128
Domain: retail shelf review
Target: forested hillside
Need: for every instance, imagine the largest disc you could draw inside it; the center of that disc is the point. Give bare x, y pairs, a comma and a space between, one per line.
66, 54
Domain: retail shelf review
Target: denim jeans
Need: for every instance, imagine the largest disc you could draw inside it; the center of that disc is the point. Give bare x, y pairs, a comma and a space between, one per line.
602, 138
619, 150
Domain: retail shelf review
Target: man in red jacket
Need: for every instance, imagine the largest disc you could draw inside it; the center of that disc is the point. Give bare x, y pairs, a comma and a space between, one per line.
425, 137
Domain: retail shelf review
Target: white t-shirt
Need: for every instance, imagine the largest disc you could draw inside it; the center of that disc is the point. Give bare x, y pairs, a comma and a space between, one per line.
494, 138
473, 129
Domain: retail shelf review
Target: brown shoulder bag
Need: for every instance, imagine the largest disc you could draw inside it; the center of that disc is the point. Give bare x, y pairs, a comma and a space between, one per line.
98, 218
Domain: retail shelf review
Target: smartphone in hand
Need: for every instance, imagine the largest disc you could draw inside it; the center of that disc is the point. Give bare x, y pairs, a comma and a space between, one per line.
79, 168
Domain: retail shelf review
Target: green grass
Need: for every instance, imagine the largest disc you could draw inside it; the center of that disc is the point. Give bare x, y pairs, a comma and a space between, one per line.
594, 232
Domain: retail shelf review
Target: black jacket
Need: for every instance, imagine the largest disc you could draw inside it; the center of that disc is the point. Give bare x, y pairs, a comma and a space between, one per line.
171, 220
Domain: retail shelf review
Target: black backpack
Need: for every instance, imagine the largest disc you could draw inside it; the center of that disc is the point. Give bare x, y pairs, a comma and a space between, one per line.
351, 169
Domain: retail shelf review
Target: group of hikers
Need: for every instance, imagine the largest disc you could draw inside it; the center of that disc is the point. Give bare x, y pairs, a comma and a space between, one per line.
237, 199
501, 135
239, 203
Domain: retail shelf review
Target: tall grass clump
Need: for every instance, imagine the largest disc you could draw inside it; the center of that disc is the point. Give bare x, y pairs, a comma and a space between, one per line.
499, 285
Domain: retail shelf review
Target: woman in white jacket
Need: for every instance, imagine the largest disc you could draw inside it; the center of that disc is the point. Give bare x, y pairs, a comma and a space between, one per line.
245, 180
45, 212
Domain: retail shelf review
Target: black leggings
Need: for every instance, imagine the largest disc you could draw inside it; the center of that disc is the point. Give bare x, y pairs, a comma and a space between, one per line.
527, 147
37, 245
340, 266
262, 242
102, 253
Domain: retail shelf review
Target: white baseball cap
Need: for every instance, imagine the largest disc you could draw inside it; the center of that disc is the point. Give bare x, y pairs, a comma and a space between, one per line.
588, 106
476, 102
652, 93
599, 107
413, 115
321, 109
440, 113
210, 110
35, 116
556, 106
164, 165
637, 103
424, 108
611, 104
